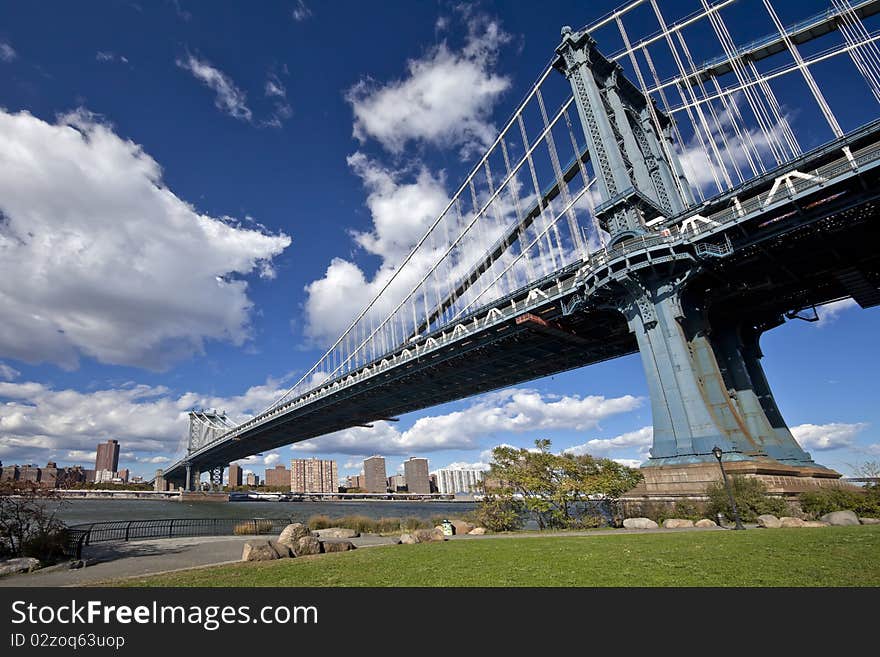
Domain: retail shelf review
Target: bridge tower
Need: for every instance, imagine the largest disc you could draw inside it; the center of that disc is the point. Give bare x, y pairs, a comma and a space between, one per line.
701, 361
205, 426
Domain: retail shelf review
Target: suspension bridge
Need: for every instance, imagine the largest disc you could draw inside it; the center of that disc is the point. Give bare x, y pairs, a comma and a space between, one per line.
663, 188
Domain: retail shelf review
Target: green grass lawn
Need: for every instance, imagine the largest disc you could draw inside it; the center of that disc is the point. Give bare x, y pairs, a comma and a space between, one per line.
835, 556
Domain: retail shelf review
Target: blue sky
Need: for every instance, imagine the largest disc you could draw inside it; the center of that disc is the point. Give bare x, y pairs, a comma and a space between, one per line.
184, 185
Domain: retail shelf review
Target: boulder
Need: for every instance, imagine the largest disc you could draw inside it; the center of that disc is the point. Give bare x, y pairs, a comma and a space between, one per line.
20, 565
259, 551
705, 522
477, 531
462, 527
307, 545
428, 535
840, 518
768, 521
337, 532
787, 521
292, 533
677, 523
814, 523
639, 523
870, 521
408, 539
337, 546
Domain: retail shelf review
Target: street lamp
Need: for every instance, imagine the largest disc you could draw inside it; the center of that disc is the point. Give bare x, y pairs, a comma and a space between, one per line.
716, 451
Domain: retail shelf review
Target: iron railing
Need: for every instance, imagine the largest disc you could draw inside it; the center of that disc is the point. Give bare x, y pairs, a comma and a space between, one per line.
82, 535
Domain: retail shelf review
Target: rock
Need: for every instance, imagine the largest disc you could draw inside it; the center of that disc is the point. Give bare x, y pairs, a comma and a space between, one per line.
477, 531
814, 523
337, 546
705, 522
20, 565
870, 521
462, 527
787, 521
292, 533
677, 523
639, 523
337, 532
76, 564
307, 545
258, 551
283, 551
769, 522
408, 539
428, 535
840, 518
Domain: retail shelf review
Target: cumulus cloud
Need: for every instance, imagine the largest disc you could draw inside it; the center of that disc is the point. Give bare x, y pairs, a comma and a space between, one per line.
7, 52
8, 373
630, 463
271, 458
463, 465
513, 411
228, 97
445, 98
831, 311
640, 440
99, 257
301, 12
821, 437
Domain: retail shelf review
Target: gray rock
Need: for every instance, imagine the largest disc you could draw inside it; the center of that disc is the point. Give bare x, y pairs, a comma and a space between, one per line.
337, 532
292, 533
815, 523
477, 531
337, 546
408, 539
787, 521
283, 551
840, 518
462, 527
259, 551
705, 522
768, 521
20, 565
307, 545
428, 535
639, 523
677, 523
870, 521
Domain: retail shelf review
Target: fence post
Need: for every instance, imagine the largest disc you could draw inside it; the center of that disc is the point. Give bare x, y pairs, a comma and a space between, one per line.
127, 528
170, 528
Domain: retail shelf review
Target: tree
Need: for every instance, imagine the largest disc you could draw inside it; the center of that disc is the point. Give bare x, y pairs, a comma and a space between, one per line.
557, 488
29, 526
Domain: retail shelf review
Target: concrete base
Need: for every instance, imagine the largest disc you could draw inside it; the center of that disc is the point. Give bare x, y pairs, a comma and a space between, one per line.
670, 481
198, 496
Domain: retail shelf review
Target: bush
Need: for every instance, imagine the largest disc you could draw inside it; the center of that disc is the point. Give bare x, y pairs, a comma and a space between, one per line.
361, 524
500, 513
249, 527
410, 524
825, 500
751, 499
388, 525
658, 511
29, 526
319, 522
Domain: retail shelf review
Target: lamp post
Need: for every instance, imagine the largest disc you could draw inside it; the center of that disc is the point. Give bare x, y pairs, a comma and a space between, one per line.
716, 451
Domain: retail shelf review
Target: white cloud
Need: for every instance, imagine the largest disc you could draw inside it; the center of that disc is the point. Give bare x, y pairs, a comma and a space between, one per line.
640, 439
8, 373
831, 311
275, 89
99, 257
462, 465
271, 458
834, 435
229, 98
103, 56
515, 411
301, 12
7, 52
445, 99
630, 463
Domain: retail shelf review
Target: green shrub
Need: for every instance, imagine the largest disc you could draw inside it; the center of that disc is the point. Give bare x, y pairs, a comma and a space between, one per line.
319, 521
825, 500
500, 513
751, 499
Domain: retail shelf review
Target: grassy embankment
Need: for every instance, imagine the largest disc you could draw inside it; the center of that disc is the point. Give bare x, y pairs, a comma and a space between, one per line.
835, 556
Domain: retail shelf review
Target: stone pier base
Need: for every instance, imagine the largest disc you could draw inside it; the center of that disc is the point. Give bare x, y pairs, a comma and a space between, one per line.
691, 480
199, 496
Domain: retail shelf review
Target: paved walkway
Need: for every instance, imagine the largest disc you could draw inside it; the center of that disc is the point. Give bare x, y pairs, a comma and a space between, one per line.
110, 561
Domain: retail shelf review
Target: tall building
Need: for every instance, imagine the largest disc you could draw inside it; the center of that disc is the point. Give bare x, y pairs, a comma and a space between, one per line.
357, 481
397, 483
123, 475
108, 456
458, 481
375, 479
415, 469
235, 478
278, 476
252, 479
313, 476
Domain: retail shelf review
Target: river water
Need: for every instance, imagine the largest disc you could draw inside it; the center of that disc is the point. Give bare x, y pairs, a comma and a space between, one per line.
75, 512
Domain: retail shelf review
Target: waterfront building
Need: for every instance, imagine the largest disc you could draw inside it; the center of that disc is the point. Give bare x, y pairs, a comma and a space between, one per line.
375, 478
235, 475
278, 476
252, 479
104, 476
107, 457
357, 481
415, 469
397, 483
123, 475
458, 481
29, 473
313, 475
9, 473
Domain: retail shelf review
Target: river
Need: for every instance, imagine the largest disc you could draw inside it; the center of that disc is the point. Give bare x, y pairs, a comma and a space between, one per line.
75, 512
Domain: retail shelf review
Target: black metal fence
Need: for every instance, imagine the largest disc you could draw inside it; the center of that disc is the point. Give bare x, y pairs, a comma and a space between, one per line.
80, 536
